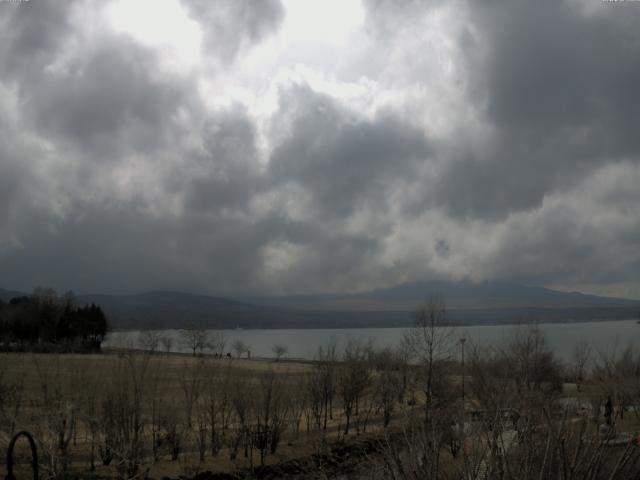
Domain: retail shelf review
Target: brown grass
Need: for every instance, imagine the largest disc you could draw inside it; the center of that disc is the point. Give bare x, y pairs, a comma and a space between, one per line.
76, 376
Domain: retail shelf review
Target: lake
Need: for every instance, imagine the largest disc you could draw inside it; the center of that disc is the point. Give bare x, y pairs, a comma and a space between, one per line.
304, 343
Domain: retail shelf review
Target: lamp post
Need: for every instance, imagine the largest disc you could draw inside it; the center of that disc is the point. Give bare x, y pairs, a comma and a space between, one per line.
461, 438
462, 340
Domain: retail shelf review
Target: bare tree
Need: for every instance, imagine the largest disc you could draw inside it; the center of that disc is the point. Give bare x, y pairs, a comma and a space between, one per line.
322, 384
89, 388
158, 380
581, 355
172, 430
387, 387
191, 379
533, 367
11, 399
167, 343
239, 347
558, 448
299, 400
271, 410
194, 338
431, 340
242, 397
217, 344
403, 355
520, 433
149, 340
280, 351
122, 421
353, 378
59, 415
617, 375
216, 403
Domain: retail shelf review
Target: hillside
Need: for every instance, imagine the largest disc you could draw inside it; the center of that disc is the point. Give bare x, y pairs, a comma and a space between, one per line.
467, 303
6, 295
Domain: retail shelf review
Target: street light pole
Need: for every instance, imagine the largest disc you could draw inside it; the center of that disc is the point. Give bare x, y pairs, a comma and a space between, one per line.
462, 340
461, 430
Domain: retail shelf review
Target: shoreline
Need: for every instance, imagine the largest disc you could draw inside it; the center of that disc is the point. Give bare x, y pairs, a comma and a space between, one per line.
381, 327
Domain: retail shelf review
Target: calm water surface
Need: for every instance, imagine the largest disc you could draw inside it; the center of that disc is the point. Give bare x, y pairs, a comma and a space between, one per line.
304, 343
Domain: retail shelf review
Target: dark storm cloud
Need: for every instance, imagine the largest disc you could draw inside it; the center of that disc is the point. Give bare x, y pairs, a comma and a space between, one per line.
109, 105
231, 25
558, 65
67, 213
343, 160
563, 244
183, 217
117, 174
227, 166
107, 100
123, 248
13, 174
554, 86
32, 33
561, 82
338, 159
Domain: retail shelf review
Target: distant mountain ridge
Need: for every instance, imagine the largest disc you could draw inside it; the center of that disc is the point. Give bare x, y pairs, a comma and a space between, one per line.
164, 309
459, 295
500, 294
164, 298
491, 302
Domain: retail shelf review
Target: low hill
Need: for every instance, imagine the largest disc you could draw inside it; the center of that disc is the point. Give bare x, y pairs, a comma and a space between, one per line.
6, 295
488, 303
467, 303
166, 309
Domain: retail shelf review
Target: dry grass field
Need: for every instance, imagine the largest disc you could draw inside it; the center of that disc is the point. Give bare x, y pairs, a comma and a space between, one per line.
131, 414
176, 414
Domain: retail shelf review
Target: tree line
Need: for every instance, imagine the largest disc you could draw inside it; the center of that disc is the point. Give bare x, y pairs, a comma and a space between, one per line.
45, 321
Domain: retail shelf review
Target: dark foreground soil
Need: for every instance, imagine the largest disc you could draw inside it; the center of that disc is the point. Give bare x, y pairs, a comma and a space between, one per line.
341, 462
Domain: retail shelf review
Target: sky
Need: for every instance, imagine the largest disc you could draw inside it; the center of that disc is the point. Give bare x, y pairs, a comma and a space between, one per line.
279, 147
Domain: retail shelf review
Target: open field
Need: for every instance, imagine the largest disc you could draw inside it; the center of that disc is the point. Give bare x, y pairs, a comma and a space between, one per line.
134, 414
181, 414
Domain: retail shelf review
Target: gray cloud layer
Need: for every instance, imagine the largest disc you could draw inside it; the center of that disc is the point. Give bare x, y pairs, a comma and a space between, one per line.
231, 25
116, 176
